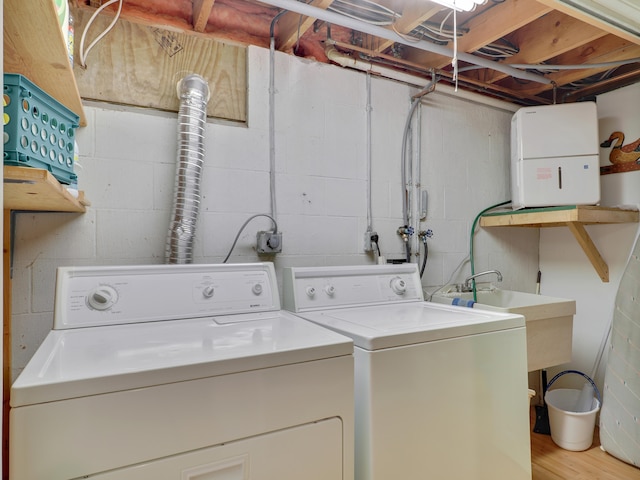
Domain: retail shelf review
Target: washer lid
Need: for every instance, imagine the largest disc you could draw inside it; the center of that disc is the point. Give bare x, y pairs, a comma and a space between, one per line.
385, 326
96, 360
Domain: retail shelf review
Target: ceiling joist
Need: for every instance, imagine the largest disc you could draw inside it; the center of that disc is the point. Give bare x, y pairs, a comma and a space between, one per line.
201, 12
291, 26
497, 35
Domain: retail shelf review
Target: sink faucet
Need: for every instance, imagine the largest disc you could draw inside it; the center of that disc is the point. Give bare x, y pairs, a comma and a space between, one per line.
467, 282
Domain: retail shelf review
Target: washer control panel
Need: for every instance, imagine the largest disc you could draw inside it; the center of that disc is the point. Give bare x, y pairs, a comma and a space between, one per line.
91, 296
307, 288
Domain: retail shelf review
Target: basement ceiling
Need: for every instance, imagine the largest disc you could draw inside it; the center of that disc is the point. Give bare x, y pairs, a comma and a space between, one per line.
416, 37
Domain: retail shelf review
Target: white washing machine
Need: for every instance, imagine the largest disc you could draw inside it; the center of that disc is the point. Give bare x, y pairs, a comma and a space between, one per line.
441, 391
182, 372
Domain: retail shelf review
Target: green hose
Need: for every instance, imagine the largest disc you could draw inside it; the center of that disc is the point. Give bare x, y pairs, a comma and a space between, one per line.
473, 229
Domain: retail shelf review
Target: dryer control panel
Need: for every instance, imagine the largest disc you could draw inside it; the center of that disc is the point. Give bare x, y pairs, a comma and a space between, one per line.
308, 288
92, 296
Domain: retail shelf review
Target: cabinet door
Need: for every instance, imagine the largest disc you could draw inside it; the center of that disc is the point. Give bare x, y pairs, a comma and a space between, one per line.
309, 452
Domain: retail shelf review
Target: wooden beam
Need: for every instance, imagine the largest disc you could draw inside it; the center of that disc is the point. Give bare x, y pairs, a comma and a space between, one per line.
493, 24
545, 38
607, 49
292, 26
585, 17
607, 85
413, 14
201, 11
567, 76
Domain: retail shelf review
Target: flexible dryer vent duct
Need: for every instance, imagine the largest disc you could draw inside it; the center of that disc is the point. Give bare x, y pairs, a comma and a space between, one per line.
193, 92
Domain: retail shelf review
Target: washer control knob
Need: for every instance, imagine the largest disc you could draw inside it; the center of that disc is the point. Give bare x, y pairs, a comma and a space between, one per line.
330, 290
257, 289
208, 291
102, 298
310, 291
398, 285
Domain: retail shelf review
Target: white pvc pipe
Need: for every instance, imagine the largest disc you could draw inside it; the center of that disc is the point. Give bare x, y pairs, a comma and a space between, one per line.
350, 62
381, 32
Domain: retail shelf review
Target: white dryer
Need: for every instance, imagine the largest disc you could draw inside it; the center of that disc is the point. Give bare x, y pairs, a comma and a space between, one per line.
441, 391
177, 372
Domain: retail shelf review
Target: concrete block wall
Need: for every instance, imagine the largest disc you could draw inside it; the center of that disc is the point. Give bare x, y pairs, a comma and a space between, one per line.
127, 169
566, 271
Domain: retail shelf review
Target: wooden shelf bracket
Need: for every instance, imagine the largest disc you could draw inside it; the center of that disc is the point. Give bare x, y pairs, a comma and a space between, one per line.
575, 217
590, 250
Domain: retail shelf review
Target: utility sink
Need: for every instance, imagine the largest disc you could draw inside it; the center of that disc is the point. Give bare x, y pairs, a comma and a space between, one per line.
549, 320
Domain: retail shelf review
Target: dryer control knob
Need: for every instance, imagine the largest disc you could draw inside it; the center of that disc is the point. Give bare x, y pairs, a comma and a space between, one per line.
330, 290
208, 291
102, 298
398, 285
257, 289
310, 291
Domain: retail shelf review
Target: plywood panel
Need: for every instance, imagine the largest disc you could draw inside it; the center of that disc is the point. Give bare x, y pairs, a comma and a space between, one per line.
140, 65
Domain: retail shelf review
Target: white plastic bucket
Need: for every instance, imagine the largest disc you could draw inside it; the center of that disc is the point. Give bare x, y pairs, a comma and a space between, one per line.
570, 430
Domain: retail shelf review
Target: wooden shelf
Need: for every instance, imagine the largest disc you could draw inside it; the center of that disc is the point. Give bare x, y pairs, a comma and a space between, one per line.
34, 189
35, 47
575, 217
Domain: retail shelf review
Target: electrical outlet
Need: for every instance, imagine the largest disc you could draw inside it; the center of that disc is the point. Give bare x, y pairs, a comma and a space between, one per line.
368, 247
269, 242
369, 239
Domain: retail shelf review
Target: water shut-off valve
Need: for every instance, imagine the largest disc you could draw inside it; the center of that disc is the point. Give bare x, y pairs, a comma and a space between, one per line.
405, 232
424, 234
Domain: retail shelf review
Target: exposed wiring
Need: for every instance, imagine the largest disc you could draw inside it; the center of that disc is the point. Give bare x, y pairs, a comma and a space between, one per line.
83, 54
365, 11
473, 228
437, 33
549, 68
343, 21
592, 80
408, 37
275, 230
444, 21
272, 114
500, 49
578, 66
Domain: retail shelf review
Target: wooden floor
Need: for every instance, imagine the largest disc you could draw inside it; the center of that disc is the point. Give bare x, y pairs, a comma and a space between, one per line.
550, 462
